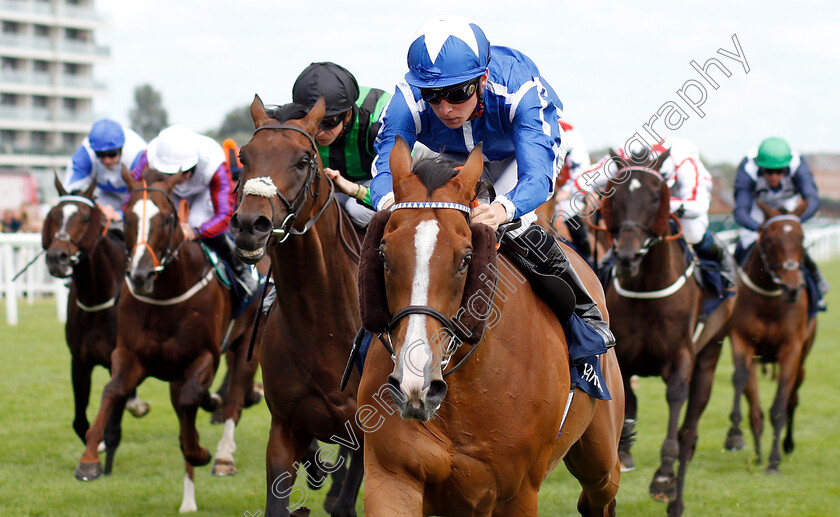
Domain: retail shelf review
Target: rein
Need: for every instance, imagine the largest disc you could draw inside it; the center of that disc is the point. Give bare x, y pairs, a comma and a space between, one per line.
427, 310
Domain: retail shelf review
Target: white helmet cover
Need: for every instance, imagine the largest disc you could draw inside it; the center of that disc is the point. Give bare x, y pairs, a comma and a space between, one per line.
175, 149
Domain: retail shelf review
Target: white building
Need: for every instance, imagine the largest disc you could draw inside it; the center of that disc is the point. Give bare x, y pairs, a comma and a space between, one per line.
47, 85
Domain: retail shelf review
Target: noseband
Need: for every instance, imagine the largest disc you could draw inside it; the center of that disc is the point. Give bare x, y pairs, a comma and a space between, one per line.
265, 187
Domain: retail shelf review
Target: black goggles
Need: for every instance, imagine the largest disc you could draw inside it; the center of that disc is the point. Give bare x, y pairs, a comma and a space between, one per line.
108, 154
331, 122
456, 94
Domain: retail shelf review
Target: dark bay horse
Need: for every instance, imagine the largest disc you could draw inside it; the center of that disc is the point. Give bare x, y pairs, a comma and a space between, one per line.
771, 324
79, 244
655, 305
288, 211
172, 320
481, 442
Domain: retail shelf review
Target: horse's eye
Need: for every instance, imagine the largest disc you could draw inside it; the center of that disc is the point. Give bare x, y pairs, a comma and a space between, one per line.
383, 259
304, 162
86, 219
465, 262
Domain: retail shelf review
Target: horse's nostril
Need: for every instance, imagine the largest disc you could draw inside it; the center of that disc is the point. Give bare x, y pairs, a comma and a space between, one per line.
437, 390
262, 225
234, 223
394, 388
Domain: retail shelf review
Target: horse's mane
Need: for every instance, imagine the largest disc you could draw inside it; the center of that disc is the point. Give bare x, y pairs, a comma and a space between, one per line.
290, 111
435, 172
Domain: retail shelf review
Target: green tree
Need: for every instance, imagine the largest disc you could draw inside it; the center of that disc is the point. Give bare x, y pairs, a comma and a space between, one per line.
237, 124
148, 116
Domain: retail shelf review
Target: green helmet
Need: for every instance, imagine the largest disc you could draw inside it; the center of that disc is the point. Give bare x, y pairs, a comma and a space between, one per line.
773, 153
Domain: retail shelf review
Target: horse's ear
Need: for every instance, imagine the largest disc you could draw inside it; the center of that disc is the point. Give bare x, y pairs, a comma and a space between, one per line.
88, 193
258, 114
467, 179
129, 180
172, 180
59, 186
400, 163
767, 210
313, 118
800, 208
657, 165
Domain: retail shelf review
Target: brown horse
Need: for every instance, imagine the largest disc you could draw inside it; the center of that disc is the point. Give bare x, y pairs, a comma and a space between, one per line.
655, 304
771, 325
78, 243
288, 211
483, 442
172, 321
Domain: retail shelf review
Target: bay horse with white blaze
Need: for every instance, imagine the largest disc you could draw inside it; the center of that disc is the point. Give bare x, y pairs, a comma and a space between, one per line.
79, 244
771, 324
655, 303
482, 442
172, 320
288, 211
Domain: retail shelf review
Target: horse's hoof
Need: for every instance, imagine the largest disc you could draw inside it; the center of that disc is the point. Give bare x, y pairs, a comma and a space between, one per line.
626, 460
301, 512
138, 408
88, 471
734, 441
773, 470
223, 468
188, 507
787, 446
663, 488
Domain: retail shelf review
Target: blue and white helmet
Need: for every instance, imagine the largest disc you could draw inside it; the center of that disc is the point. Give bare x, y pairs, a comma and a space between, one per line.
447, 50
106, 135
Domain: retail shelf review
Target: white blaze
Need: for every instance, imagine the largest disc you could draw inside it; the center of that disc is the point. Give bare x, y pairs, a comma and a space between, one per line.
67, 212
145, 211
416, 352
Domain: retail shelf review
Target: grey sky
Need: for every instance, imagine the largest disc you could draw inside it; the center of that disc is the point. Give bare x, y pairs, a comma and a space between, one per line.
613, 64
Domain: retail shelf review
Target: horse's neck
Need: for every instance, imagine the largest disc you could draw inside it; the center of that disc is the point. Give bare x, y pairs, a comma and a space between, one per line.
316, 261
181, 272
756, 269
661, 267
99, 274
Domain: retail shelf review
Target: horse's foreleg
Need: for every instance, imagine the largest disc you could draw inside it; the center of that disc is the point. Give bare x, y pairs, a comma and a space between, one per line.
628, 431
282, 455
240, 380
80, 375
113, 433
390, 495
188, 499
127, 374
699, 392
663, 487
742, 358
789, 366
793, 401
756, 415
186, 397
345, 505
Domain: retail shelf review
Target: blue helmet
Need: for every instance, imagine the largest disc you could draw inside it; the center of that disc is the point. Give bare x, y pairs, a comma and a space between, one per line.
106, 135
447, 50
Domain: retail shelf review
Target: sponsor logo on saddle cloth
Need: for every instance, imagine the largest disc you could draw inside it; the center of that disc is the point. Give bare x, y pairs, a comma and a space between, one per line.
585, 358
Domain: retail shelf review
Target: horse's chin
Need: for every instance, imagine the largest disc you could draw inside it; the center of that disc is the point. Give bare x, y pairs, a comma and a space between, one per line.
420, 414
60, 270
249, 256
627, 271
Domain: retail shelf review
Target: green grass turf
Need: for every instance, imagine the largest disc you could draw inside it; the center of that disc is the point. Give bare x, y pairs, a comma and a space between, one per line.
38, 449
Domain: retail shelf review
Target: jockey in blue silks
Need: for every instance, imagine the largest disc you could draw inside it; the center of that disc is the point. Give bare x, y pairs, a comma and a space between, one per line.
460, 91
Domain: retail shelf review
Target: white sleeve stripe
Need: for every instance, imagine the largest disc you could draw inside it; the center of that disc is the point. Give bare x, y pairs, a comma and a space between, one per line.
412, 105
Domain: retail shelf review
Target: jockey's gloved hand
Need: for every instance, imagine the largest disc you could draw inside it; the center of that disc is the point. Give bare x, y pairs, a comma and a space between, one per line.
679, 212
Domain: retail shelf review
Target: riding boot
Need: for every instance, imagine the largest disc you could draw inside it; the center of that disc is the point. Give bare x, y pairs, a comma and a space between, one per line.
822, 284
580, 237
245, 275
710, 248
547, 259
